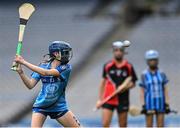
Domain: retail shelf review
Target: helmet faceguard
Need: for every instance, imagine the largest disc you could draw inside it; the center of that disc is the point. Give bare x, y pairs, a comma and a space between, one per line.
66, 55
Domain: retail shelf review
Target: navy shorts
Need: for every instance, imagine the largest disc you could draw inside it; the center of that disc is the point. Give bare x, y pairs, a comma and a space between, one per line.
53, 115
120, 108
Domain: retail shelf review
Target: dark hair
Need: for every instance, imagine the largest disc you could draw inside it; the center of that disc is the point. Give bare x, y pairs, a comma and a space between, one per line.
50, 59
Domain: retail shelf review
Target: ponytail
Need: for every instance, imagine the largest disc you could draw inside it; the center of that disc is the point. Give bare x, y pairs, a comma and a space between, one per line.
50, 59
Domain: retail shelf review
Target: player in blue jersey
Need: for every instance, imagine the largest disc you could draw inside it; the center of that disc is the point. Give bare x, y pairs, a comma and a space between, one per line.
154, 92
54, 75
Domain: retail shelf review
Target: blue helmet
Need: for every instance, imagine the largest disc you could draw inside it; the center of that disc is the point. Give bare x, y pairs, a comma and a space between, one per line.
63, 48
151, 54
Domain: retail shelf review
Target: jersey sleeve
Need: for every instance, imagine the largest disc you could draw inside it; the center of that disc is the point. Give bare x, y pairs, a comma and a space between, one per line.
36, 76
164, 78
64, 72
104, 72
134, 76
142, 81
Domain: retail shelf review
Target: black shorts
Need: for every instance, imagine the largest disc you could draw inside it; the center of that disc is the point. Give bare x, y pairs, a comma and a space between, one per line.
120, 108
53, 115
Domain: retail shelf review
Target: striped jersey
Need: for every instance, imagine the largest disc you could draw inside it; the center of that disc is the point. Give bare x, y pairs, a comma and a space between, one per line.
153, 84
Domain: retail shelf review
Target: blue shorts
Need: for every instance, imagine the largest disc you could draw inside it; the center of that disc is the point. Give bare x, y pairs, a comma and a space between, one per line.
53, 115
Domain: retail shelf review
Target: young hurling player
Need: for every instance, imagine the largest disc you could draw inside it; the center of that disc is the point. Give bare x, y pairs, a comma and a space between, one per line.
154, 92
54, 75
114, 74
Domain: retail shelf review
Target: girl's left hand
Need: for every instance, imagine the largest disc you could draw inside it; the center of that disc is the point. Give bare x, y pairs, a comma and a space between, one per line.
19, 59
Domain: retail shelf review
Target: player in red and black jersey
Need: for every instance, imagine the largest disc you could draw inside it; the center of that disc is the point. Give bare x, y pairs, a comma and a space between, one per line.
114, 74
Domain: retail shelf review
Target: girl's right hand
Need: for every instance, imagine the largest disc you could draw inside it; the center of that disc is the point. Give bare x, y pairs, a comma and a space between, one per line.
19, 59
98, 103
19, 69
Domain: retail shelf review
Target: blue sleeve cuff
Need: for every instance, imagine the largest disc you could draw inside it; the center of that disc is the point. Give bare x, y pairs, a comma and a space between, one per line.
35, 76
141, 85
165, 82
60, 69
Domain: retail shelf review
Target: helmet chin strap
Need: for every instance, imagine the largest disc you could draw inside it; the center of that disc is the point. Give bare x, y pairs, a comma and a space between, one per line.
57, 58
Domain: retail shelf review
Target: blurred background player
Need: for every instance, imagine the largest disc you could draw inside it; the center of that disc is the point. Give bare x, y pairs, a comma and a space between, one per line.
154, 92
54, 74
114, 74
69, 20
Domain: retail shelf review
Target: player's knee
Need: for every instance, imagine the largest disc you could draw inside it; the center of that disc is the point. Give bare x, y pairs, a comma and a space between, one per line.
123, 118
35, 124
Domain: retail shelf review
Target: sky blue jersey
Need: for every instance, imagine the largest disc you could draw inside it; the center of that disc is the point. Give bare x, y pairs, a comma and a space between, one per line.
51, 98
153, 84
